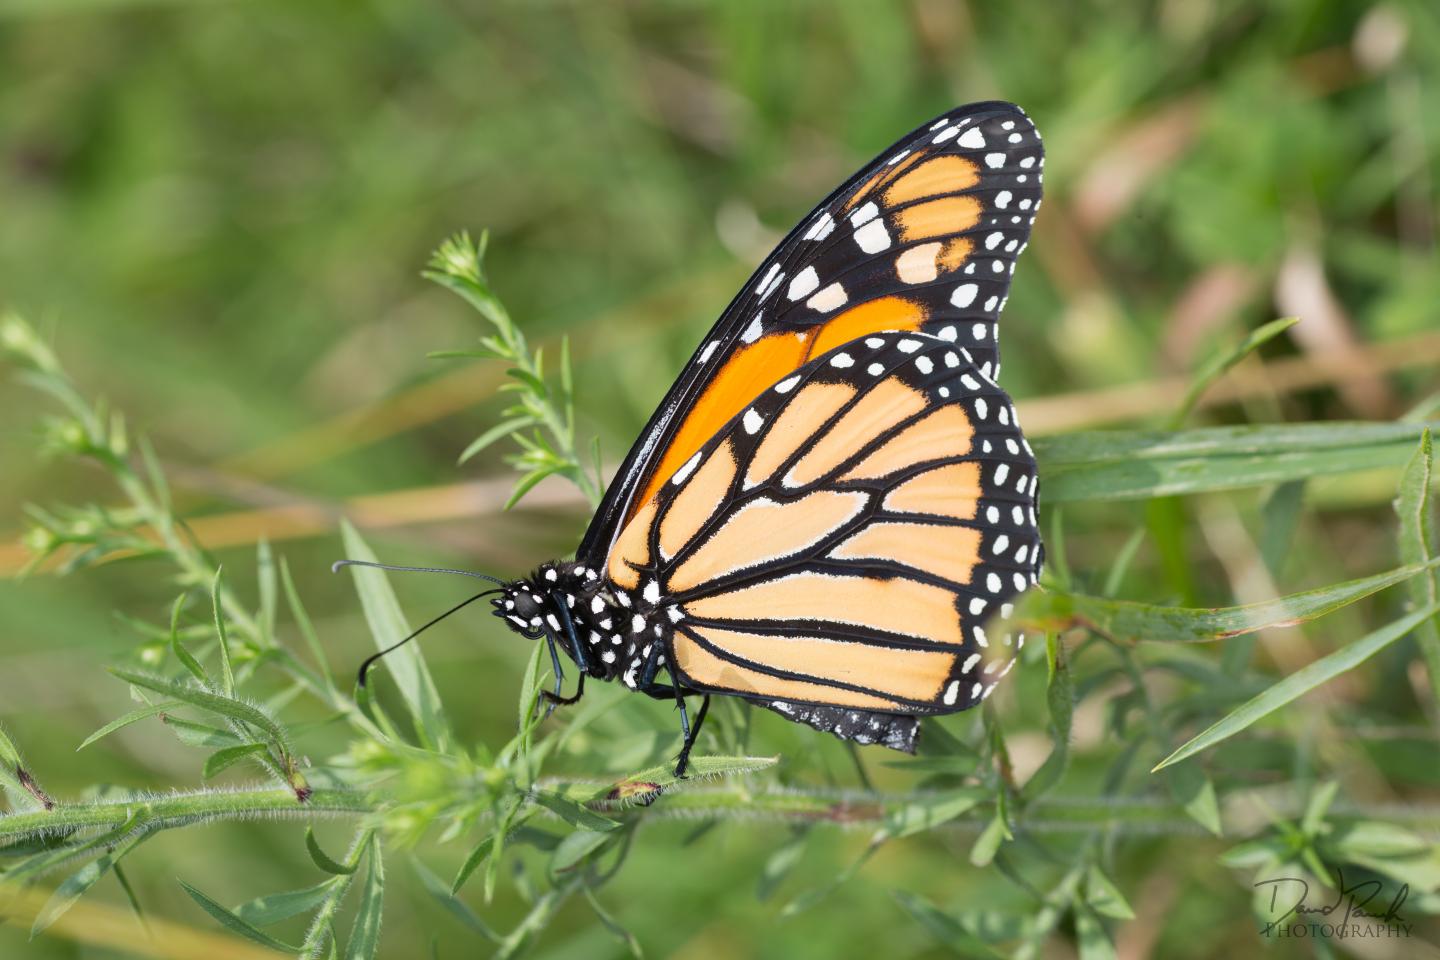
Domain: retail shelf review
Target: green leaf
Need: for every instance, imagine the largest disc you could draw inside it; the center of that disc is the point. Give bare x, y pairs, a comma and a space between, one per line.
1141, 465
1417, 545
457, 907
387, 625
234, 924
779, 864
944, 927
227, 675
1373, 839
497, 432
177, 646
571, 812
200, 734
265, 585
365, 934
78, 883
1299, 683
1218, 365
610, 923
213, 702
303, 623
988, 843
274, 907
1126, 621
129, 718
1060, 698
1103, 896
228, 757
321, 859
527, 483
920, 813
575, 846
1317, 806
1094, 942
1194, 791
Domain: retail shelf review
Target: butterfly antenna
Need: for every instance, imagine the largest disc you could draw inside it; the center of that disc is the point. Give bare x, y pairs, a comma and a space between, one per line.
370, 660
335, 568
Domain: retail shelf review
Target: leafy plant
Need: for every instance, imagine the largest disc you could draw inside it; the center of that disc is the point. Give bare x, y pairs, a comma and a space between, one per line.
253, 688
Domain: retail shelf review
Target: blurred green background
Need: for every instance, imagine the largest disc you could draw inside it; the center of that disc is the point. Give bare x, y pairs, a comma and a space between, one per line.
217, 211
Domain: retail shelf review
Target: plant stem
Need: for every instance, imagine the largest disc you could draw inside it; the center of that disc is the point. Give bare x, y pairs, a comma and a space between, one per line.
184, 809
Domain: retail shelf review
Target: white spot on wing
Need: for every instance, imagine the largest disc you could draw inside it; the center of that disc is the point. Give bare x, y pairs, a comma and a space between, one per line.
803, 284
972, 139
872, 237
964, 295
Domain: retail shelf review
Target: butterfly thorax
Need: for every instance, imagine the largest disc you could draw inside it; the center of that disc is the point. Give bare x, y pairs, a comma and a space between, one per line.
616, 633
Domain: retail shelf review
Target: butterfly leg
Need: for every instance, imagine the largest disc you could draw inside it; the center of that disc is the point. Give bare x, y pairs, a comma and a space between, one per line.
557, 699
691, 732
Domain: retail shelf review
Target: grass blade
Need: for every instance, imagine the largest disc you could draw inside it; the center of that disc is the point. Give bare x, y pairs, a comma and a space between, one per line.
1417, 545
1139, 464
1126, 621
1219, 365
388, 624
227, 675
1300, 682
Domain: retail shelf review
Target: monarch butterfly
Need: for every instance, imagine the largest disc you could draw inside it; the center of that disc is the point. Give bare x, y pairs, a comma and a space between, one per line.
834, 494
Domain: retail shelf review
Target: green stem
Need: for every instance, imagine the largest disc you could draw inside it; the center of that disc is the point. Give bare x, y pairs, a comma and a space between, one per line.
184, 809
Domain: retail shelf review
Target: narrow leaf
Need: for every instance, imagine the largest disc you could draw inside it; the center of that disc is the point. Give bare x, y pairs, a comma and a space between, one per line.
227, 675
228, 757
365, 934
1218, 365
1104, 897
1126, 621
944, 927
303, 623
1141, 465
321, 858
274, 907
387, 625
78, 883
1299, 683
497, 432
457, 907
1417, 545
571, 812
213, 702
129, 718
177, 646
234, 924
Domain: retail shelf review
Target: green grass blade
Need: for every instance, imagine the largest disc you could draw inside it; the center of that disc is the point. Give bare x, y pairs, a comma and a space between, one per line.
1139, 465
1219, 365
1417, 545
305, 625
1299, 683
387, 625
1126, 621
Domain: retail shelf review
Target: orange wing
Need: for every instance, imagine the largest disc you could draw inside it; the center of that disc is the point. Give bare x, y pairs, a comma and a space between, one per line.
840, 542
923, 239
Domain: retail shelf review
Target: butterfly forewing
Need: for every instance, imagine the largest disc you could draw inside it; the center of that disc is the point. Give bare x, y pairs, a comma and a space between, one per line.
922, 239
840, 541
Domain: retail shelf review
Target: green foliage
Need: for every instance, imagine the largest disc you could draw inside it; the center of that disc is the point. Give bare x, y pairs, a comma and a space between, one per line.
229, 253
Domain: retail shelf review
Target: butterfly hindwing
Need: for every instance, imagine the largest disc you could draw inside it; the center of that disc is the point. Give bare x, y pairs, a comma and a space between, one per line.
840, 541
923, 239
